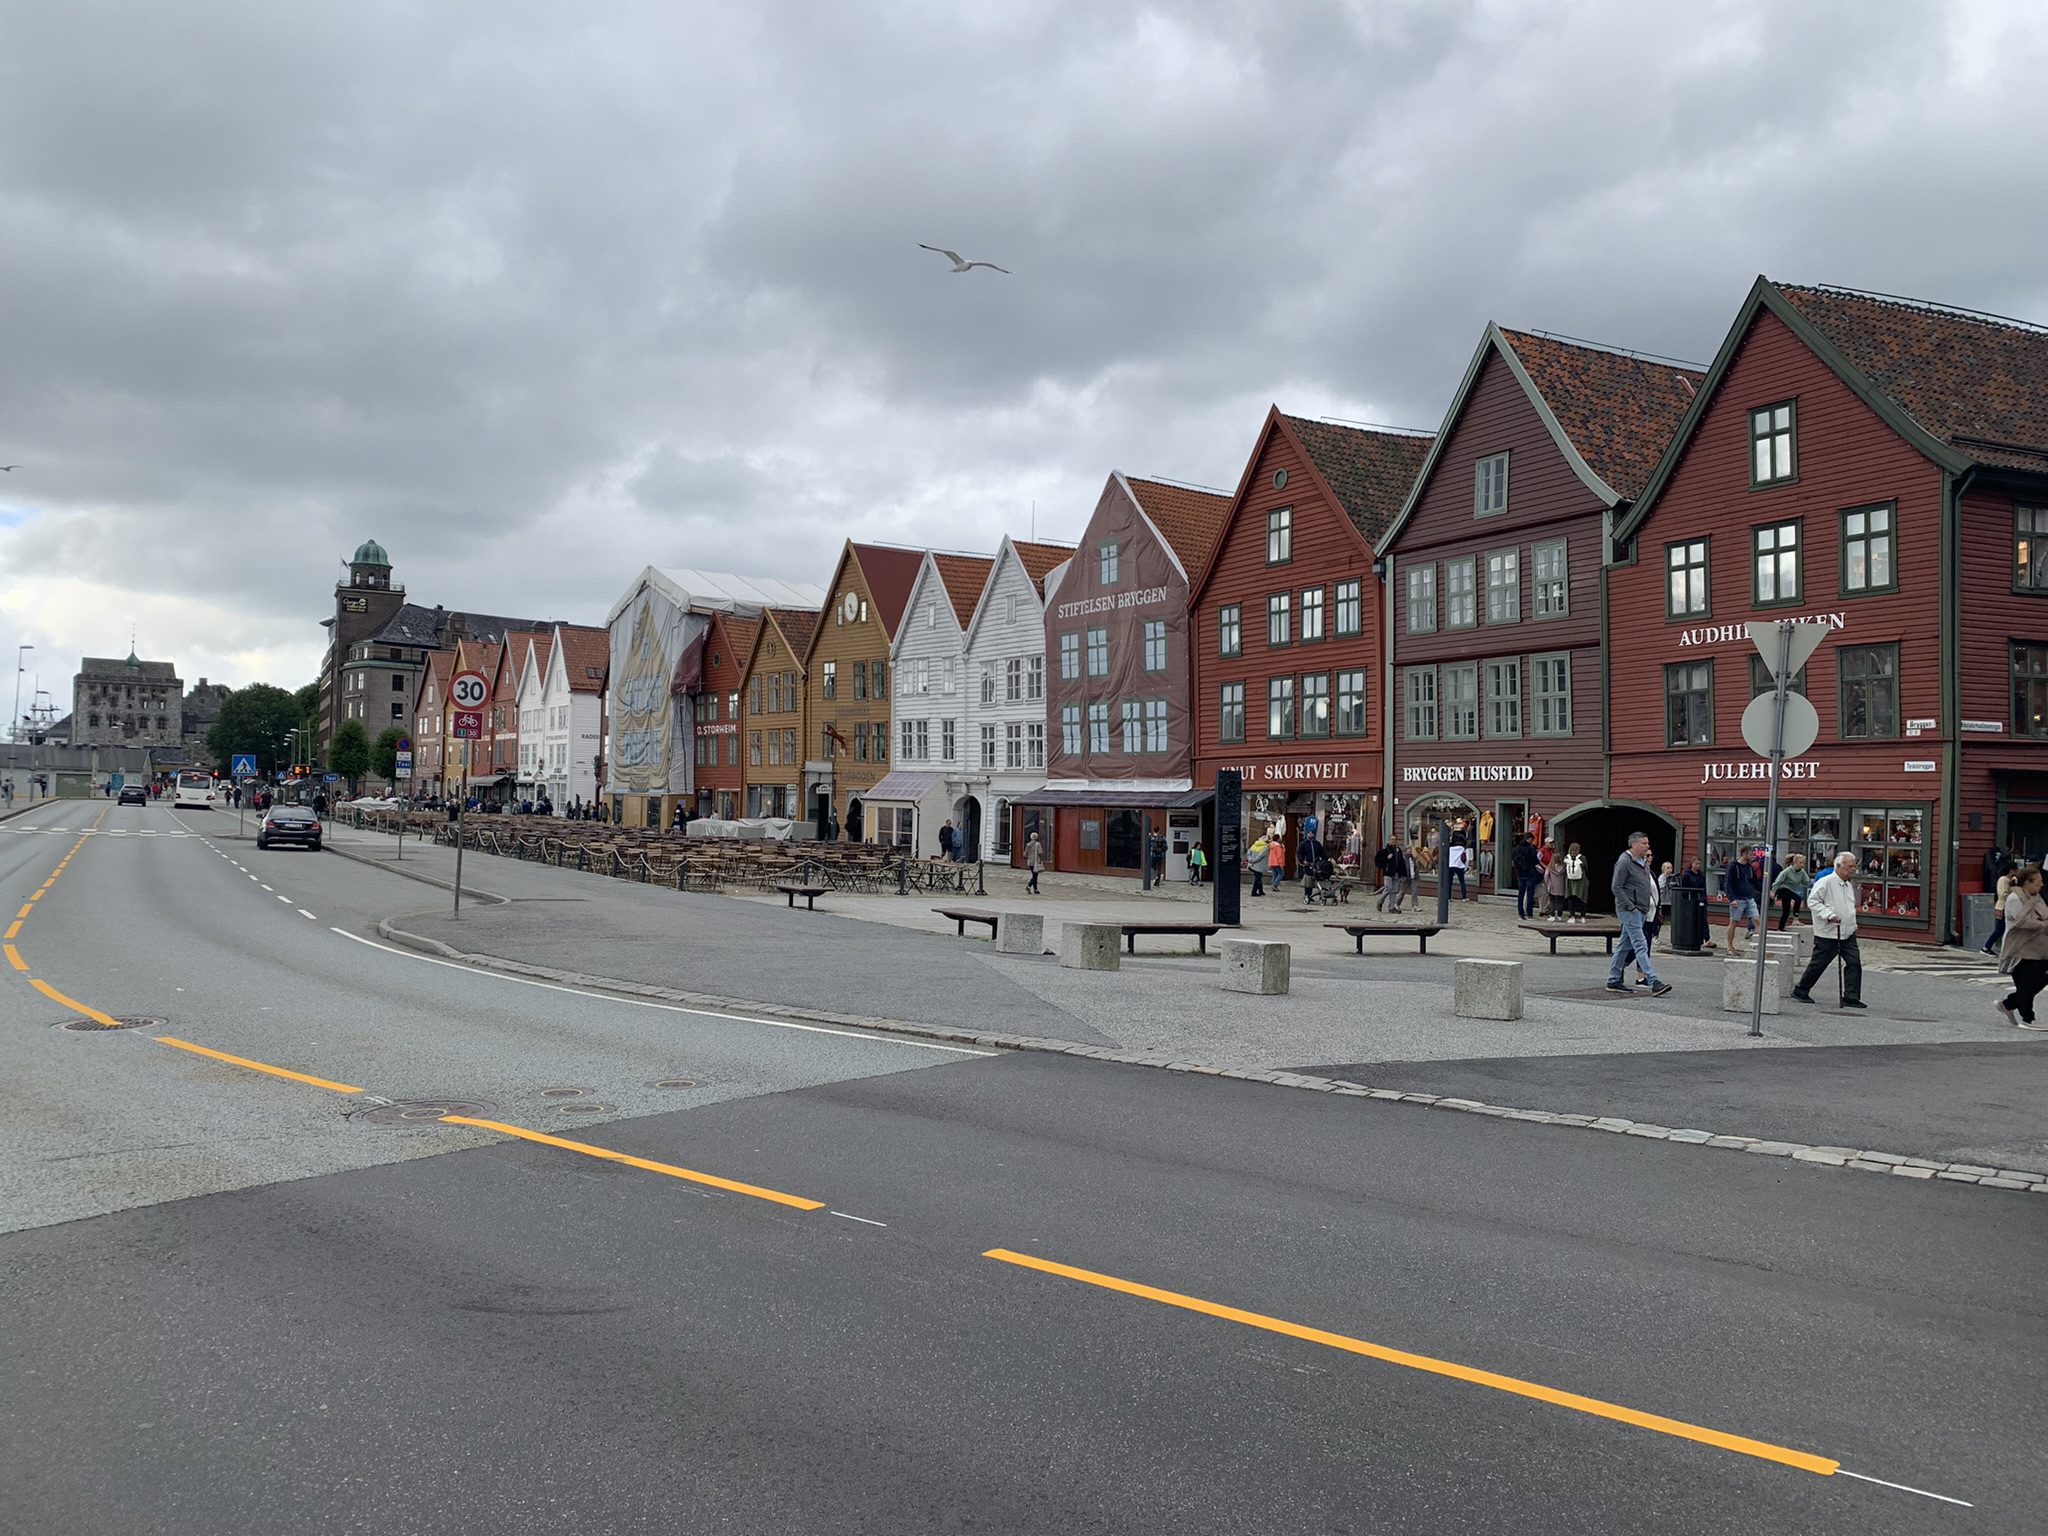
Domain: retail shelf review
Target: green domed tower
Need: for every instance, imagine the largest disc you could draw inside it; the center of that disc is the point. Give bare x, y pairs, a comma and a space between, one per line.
363, 604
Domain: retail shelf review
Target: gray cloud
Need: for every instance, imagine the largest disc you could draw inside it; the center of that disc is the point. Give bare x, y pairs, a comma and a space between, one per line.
538, 297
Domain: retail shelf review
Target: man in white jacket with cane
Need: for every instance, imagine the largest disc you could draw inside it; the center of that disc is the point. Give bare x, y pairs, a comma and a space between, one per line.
1832, 901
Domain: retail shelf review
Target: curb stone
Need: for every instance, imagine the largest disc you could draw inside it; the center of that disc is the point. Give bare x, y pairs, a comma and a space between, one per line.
1812, 1156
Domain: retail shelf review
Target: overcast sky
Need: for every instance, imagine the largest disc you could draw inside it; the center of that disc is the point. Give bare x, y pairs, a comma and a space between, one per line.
538, 301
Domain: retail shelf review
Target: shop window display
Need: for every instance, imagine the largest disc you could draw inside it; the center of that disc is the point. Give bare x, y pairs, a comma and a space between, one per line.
1889, 844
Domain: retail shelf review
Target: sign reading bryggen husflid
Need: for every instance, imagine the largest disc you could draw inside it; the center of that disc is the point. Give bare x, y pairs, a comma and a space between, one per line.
657, 630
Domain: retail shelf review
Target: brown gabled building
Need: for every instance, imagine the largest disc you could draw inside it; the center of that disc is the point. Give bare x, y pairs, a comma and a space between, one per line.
431, 761
1497, 713
848, 681
1287, 639
773, 715
1119, 734
1878, 466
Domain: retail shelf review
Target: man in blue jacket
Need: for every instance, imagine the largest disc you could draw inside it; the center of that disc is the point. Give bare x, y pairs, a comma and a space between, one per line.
1738, 884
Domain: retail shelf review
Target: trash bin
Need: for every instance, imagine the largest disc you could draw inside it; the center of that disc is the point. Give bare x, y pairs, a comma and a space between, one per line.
1688, 919
1980, 916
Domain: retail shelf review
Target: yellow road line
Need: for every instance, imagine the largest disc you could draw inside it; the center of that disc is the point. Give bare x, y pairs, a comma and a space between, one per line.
651, 1166
25, 910
256, 1066
101, 1019
14, 928
14, 957
1762, 1449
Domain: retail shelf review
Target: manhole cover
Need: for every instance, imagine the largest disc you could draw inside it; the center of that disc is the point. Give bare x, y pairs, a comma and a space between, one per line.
564, 1093
585, 1107
414, 1113
675, 1082
94, 1027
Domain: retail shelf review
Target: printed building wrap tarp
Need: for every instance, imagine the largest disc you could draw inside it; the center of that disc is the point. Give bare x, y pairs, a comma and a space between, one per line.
649, 750
1136, 600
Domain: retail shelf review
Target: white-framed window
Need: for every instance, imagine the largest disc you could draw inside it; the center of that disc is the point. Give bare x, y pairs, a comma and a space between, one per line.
988, 682
1421, 599
1034, 744
1155, 645
1504, 697
1461, 593
1070, 729
1504, 586
1552, 582
1550, 694
946, 741
1279, 535
1034, 677
1490, 486
1013, 744
1418, 688
988, 746
924, 741
1459, 685
1070, 656
1155, 725
1013, 680
1134, 726
1108, 562
1098, 727
1311, 613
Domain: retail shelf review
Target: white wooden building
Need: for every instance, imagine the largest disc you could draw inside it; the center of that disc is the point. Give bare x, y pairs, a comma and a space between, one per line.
927, 713
561, 714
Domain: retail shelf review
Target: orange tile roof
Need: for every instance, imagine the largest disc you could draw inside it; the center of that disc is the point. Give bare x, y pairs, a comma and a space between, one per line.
740, 634
543, 648
1040, 560
1979, 383
1618, 410
586, 657
1371, 472
1192, 521
964, 577
797, 626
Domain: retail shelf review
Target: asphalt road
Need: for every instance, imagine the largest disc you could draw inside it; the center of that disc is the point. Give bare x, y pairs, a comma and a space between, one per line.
956, 1293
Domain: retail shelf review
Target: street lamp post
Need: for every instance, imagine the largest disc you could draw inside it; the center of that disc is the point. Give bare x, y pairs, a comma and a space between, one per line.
14, 725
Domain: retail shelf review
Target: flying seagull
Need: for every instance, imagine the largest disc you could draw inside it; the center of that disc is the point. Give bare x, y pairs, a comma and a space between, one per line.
961, 264
5, 467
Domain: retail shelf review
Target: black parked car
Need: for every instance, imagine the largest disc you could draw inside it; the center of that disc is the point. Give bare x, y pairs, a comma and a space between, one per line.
134, 794
289, 824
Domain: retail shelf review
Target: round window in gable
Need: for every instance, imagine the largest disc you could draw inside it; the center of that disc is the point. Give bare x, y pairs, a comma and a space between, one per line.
1279, 479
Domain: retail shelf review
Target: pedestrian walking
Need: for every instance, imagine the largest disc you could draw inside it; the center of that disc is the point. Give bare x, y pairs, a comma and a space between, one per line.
1198, 863
1034, 860
2003, 893
1155, 850
1457, 859
1383, 866
2024, 953
946, 835
1528, 871
1407, 867
1832, 901
1276, 858
1738, 884
1789, 889
1257, 857
1635, 903
1309, 855
1554, 887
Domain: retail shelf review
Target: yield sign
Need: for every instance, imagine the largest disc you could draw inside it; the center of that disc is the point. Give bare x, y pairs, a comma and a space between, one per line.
1806, 639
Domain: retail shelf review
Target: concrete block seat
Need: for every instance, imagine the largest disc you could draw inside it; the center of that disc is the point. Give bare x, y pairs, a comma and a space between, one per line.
1261, 966
1089, 947
1487, 989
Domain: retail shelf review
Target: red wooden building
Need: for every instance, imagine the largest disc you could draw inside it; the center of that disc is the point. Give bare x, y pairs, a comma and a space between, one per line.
716, 704
1287, 637
1880, 465
1496, 710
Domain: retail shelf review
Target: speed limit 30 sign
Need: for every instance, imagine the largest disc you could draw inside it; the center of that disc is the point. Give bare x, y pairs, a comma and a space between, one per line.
469, 690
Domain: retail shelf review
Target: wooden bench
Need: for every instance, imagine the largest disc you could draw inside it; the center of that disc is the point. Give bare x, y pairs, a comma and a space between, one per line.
1610, 931
965, 915
1421, 932
810, 893
1201, 932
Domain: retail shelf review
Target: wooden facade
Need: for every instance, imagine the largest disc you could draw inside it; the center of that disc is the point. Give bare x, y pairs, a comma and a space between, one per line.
719, 716
1288, 645
1496, 704
1885, 517
773, 716
848, 682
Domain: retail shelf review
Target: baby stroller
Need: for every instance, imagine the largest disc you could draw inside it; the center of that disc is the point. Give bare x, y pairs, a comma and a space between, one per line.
1319, 883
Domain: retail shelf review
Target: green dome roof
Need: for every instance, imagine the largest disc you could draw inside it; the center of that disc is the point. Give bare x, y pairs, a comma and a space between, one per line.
371, 553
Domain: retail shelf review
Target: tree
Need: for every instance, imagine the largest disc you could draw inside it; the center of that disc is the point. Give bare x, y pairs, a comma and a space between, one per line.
383, 753
253, 719
350, 754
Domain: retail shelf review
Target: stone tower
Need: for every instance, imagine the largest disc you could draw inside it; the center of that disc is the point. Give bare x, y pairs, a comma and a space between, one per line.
363, 604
